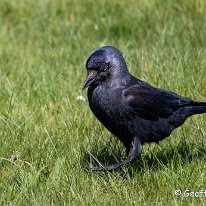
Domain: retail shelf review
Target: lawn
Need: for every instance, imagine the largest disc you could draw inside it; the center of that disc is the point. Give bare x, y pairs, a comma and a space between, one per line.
49, 138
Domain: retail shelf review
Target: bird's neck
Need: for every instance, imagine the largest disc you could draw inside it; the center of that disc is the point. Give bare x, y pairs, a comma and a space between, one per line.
120, 78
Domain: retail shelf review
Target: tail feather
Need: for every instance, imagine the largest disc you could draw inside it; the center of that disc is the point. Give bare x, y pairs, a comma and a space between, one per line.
179, 117
197, 108
198, 104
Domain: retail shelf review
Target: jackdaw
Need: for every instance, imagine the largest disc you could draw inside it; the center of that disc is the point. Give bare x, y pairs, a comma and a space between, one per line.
132, 110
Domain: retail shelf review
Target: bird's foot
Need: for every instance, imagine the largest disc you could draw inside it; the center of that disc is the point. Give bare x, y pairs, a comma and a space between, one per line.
133, 154
116, 166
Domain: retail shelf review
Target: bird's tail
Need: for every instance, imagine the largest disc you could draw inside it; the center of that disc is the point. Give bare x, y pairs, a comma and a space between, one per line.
197, 108
179, 117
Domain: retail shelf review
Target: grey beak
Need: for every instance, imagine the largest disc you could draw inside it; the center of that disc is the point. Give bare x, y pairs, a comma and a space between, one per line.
91, 77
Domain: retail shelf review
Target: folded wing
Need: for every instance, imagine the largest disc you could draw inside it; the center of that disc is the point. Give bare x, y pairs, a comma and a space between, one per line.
151, 103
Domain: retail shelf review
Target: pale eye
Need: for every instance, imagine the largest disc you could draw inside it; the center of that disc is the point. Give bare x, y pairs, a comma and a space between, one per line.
104, 67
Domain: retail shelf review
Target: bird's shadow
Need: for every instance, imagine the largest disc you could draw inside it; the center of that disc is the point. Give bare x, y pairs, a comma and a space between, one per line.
156, 160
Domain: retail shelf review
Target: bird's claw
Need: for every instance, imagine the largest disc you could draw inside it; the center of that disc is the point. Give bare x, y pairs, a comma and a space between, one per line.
106, 169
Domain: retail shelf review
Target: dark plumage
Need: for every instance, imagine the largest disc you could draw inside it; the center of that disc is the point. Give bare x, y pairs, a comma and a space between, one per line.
131, 109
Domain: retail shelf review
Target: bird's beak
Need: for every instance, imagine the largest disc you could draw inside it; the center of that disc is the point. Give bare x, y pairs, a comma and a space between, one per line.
91, 77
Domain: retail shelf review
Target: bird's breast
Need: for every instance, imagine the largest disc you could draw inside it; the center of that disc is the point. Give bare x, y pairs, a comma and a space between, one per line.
107, 106
105, 103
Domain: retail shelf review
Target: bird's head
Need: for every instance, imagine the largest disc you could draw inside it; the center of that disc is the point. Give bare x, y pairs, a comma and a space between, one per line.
103, 63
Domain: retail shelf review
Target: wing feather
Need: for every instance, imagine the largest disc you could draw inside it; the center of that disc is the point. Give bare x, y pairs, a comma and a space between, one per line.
151, 103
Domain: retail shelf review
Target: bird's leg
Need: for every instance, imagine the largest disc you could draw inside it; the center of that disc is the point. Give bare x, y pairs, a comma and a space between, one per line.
133, 154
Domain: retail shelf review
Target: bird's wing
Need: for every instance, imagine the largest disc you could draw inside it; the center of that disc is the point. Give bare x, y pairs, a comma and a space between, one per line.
151, 103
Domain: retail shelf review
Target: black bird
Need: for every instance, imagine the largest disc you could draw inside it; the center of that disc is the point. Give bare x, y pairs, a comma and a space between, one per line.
131, 109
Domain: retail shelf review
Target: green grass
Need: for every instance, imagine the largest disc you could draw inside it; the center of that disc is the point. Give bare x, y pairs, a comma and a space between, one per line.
43, 49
